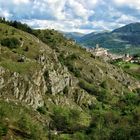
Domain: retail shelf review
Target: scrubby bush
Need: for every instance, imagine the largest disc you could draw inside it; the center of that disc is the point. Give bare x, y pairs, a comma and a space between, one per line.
3, 129
72, 57
103, 95
79, 136
104, 85
87, 86
66, 90
24, 123
68, 61
61, 58
10, 42
122, 133
26, 49
73, 69
131, 98
41, 110
2, 113
67, 120
127, 67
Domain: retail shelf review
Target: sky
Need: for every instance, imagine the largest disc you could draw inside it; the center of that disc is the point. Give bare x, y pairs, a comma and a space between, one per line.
72, 15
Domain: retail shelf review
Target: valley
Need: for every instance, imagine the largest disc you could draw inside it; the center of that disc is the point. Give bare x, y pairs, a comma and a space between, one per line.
122, 40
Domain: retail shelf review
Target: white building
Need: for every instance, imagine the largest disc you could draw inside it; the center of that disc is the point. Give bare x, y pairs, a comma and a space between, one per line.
98, 51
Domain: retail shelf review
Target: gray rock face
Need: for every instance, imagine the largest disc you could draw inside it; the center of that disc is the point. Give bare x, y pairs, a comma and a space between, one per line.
52, 78
57, 76
18, 88
58, 80
31, 88
50, 82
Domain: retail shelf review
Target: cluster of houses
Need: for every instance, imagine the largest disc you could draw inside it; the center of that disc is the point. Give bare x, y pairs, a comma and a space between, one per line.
102, 52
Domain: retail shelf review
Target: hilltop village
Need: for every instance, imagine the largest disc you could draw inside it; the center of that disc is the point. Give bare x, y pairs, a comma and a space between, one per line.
104, 53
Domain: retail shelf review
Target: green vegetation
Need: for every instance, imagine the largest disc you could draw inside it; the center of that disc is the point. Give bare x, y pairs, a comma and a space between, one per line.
130, 68
69, 62
3, 129
42, 110
10, 42
118, 122
102, 94
104, 84
22, 68
16, 24
18, 122
50, 37
122, 40
95, 105
69, 120
88, 87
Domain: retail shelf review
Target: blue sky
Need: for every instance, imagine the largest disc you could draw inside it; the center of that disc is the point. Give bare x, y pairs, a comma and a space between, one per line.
72, 15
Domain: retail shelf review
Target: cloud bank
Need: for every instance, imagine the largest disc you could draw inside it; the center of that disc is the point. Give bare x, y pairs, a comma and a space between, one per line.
72, 15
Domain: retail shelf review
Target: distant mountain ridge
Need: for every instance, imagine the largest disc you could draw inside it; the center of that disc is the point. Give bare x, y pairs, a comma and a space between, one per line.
73, 35
130, 28
124, 39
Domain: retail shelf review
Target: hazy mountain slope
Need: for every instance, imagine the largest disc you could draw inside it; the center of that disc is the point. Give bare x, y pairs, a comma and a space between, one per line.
130, 28
67, 91
125, 39
73, 35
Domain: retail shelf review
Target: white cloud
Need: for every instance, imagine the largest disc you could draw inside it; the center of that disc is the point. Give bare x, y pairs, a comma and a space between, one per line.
56, 8
105, 25
79, 9
71, 15
67, 25
126, 19
5, 13
132, 3
20, 2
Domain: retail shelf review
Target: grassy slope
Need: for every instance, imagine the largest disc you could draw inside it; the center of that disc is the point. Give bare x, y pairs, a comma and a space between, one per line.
9, 58
132, 69
19, 122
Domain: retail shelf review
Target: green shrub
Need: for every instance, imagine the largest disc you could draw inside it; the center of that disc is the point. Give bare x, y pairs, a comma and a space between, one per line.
138, 91
122, 133
61, 58
67, 120
24, 123
41, 110
103, 95
3, 129
36, 133
104, 85
68, 61
131, 98
87, 86
46, 75
60, 119
127, 67
72, 57
26, 49
73, 69
79, 136
2, 113
66, 90
10, 42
